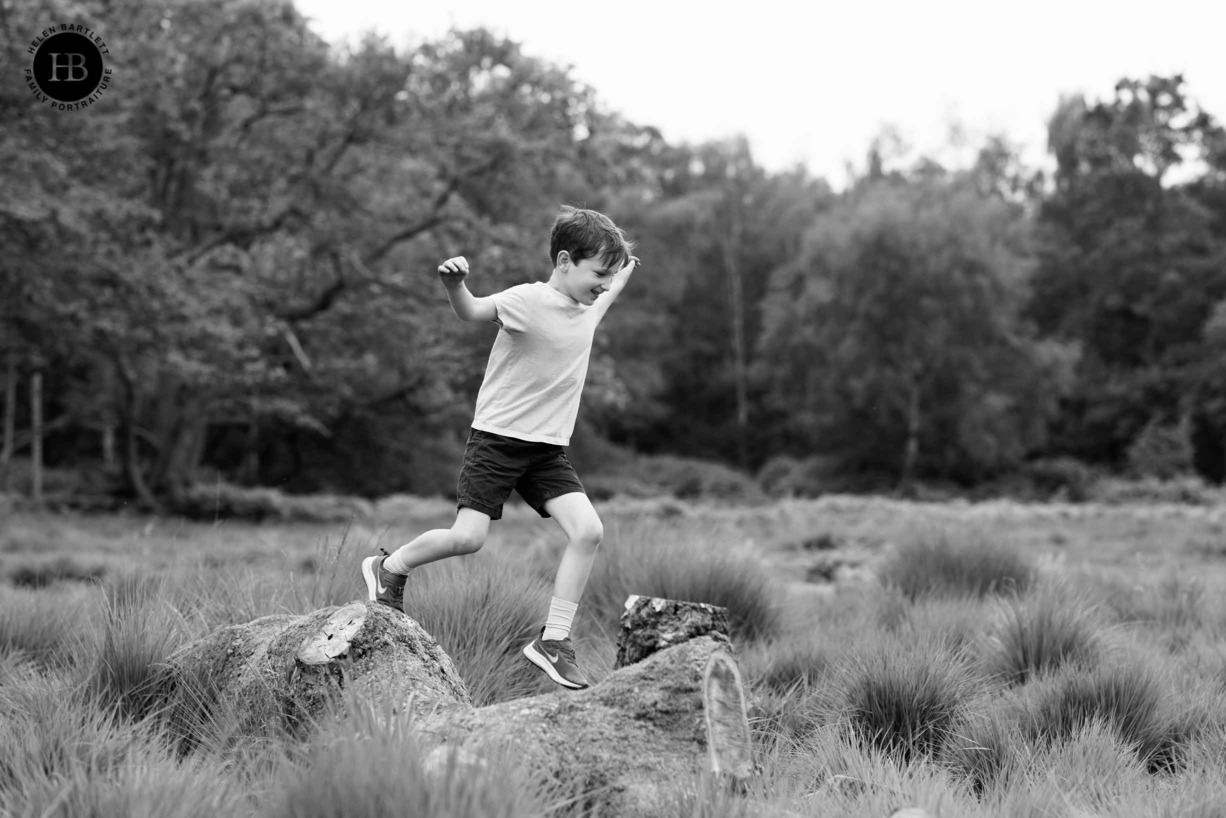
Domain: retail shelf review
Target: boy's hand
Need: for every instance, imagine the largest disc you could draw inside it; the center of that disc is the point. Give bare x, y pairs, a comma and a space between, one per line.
453, 271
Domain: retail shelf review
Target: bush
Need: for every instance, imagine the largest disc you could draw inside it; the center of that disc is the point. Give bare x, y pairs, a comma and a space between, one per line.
787, 476
681, 477
223, 501
1059, 478
1182, 491
1162, 450
46, 572
938, 563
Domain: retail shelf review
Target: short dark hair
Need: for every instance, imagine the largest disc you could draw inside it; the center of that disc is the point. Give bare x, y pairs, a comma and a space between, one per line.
584, 233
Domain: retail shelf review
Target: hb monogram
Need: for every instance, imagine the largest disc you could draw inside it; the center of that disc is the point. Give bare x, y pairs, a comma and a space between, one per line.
74, 61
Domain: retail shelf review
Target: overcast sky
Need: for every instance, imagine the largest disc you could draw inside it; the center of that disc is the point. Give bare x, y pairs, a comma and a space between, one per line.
813, 83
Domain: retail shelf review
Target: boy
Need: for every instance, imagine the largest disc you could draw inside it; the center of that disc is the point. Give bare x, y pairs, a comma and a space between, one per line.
525, 414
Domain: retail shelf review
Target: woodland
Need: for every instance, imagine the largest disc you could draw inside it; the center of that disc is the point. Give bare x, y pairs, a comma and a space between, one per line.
223, 272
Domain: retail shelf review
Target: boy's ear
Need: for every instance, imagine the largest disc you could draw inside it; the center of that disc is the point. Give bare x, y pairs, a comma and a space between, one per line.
563, 260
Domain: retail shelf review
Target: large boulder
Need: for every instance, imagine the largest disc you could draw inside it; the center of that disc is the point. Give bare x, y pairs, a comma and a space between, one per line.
278, 672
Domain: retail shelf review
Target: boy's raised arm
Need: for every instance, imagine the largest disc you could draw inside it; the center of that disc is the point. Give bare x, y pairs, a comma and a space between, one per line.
466, 306
622, 277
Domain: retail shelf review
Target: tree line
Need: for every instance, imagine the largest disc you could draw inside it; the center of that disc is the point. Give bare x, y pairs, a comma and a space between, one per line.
225, 270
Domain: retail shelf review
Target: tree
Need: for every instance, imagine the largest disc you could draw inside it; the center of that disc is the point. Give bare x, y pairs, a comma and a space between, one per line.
1130, 259
895, 334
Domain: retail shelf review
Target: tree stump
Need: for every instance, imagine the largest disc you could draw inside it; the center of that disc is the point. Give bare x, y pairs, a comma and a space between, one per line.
651, 624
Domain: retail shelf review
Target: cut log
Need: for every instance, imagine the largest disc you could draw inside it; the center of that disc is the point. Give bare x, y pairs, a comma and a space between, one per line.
650, 624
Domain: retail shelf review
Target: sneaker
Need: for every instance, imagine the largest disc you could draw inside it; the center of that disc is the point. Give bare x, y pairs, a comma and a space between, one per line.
383, 586
557, 659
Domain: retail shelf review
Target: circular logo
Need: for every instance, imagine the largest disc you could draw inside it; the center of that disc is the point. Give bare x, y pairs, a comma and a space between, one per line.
67, 70
68, 67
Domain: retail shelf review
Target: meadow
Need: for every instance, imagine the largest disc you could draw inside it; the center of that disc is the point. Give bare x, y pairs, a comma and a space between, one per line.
991, 658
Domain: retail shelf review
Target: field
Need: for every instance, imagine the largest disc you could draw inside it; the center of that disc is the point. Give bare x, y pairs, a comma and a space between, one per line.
969, 659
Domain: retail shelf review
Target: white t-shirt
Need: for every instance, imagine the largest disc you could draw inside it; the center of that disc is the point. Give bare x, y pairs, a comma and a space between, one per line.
537, 366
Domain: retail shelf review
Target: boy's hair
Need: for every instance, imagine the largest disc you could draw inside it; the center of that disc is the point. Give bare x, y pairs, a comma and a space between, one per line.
584, 233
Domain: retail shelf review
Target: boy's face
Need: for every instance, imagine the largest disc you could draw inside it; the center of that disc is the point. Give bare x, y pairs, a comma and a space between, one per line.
586, 280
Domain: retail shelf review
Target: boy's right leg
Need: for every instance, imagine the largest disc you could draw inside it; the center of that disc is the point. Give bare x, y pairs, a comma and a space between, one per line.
385, 575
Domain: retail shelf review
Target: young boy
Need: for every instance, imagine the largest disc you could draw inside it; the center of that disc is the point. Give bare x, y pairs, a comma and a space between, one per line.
525, 414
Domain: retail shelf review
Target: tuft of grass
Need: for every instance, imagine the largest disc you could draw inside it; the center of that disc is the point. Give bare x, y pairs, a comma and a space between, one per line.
1039, 633
944, 563
689, 563
987, 752
43, 626
369, 763
907, 698
482, 610
1129, 697
138, 631
330, 576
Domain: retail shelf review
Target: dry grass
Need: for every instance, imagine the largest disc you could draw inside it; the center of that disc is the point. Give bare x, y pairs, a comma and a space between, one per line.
1017, 661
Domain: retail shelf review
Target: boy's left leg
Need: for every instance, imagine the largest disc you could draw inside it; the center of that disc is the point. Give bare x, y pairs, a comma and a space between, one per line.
552, 650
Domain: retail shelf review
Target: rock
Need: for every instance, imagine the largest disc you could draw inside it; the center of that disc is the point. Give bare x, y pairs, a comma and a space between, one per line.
651, 624
277, 672
634, 737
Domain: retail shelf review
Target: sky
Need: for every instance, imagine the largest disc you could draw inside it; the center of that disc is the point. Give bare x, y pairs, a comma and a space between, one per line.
814, 83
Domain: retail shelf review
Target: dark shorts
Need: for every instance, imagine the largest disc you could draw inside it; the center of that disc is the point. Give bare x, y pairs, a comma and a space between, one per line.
494, 465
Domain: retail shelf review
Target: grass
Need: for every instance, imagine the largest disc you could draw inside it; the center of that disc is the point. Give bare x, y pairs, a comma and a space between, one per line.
955, 562
369, 764
989, 659
1041, 632
641, 556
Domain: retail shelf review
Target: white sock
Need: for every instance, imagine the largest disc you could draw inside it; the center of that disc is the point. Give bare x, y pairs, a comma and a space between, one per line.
395, 563
561, 615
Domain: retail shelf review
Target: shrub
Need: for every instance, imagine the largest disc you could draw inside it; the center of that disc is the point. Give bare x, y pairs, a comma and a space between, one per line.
223, 501
940, 563
47, 572
1040, 632
1060, 477
682, 477
1182, 490
1162, 450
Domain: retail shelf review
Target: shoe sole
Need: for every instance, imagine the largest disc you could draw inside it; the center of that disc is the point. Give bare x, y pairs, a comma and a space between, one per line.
368, 574
535, 657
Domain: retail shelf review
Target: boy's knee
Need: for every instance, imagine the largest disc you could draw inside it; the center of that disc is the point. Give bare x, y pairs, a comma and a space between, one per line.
467, 542
590, 533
